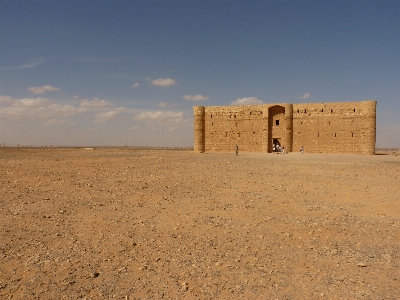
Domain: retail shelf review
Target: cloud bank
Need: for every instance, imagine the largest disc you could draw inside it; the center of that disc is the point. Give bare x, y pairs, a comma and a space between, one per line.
247, 101
42, 89
196, 98
163, 82
96, 102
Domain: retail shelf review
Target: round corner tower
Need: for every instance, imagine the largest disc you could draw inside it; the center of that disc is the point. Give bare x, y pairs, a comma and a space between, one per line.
199, 129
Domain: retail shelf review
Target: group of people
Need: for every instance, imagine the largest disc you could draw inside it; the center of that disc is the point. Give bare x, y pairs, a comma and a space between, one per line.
276, 148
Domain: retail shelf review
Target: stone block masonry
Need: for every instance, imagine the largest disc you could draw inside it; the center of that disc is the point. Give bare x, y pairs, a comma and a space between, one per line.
338, 127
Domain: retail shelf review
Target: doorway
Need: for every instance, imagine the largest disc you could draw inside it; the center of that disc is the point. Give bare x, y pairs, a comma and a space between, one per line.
276, 126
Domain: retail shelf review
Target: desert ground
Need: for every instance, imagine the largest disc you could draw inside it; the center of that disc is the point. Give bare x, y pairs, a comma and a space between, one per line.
125, 223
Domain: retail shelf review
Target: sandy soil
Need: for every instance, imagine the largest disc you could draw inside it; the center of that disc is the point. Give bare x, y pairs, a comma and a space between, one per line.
150, 224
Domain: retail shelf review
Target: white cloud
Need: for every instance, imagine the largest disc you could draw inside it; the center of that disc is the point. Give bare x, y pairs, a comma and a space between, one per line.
30, 102
159, 116
21, 109
96, 102
196, 98
56, 109
42, 89
305, 96
163, 82
247, 101
24, 66
13, 112
106, 116
135, 85
162, 104
35, 108
6, 99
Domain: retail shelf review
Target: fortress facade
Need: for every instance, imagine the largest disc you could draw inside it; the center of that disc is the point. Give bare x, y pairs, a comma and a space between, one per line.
338, 127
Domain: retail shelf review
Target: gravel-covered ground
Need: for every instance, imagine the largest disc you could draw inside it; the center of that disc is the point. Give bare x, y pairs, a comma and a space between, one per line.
149, 224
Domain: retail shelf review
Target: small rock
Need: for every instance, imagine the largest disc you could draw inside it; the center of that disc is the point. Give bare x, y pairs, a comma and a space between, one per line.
94, 275
362, 264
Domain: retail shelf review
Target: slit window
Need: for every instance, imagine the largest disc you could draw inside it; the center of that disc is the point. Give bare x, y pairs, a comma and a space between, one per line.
352, 134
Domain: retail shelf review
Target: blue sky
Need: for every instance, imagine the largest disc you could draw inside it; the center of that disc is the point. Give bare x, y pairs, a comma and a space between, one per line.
114, 73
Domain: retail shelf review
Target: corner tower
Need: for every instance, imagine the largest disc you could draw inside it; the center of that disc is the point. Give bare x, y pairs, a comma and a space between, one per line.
199, 128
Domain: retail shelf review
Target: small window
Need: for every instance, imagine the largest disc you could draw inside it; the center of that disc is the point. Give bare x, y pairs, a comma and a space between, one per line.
331, 110
301, 123
234, 116
322, 110
211, 116
354, 110
305, 110
238, 134
335, 134
352, 134
277, 122
298, 111
318, 134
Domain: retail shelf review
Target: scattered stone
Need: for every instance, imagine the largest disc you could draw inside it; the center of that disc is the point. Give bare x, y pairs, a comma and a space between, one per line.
185, 286
362, 264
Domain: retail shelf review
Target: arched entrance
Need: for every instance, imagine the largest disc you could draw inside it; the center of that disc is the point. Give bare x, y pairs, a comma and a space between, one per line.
276, 126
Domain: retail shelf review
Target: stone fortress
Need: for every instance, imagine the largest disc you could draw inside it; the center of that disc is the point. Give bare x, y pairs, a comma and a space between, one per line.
338, 127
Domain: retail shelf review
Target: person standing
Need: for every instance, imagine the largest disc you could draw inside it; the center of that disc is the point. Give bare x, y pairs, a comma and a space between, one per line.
302, 149
237, 149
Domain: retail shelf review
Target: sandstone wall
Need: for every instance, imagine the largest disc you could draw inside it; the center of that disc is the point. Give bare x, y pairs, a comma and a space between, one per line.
345, 127
340, 127
227, 126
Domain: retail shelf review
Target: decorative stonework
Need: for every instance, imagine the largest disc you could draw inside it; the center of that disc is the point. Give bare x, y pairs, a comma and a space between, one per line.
338, 127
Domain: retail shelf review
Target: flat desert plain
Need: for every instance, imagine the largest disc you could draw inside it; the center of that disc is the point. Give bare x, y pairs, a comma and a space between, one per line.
124, 223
